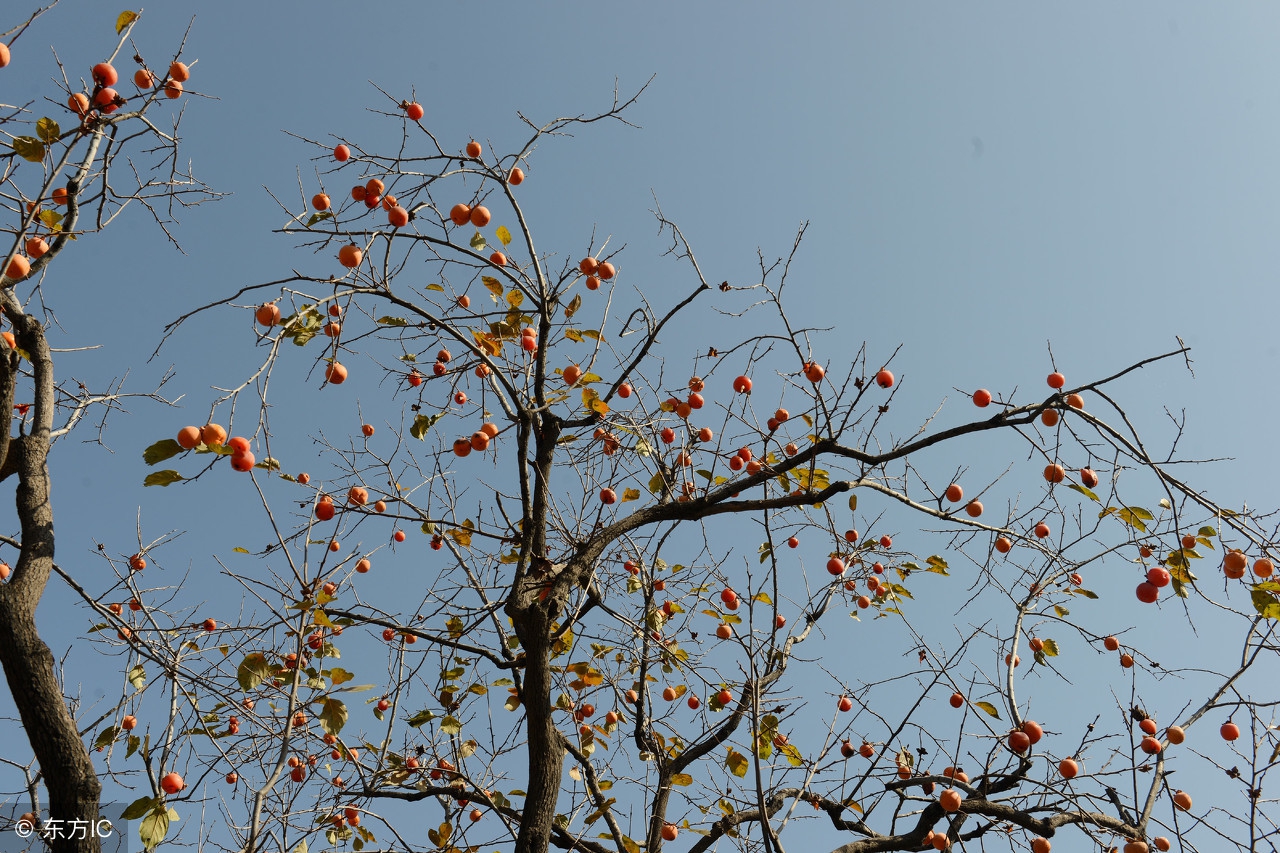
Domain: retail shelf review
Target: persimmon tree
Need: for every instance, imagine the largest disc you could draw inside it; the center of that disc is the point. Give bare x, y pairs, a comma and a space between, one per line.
625, 563
71, 163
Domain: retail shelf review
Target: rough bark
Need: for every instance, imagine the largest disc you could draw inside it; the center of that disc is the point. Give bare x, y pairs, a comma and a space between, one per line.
29, 665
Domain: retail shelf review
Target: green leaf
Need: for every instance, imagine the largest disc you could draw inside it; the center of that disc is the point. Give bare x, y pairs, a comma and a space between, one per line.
1050, 649
1134, 516
29, 148
451, 725
47, 129
656, 483
937, 565
421, 718
1206, 531
1265, 603
154, 827
319, 217
422, 424
160, 451
253, 670
1088, 493
138, 677
504, 236
737, 763
478, 242
52, 219
124, 19
333, 716
106, 737
988, 707
162, 478
139, 807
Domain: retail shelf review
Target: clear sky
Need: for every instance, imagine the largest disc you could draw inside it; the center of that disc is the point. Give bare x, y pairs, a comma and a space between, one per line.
980, 180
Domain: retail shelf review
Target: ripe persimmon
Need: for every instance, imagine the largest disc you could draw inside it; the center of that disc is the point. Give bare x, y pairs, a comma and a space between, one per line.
1003, 544
78, 103
179, 71
814, 372
172, 89
1182, 800
954, 493
350, 256
268, 314
397, 217
885, 379
171, 783
1068, 768
1054, 473
1075, 401
213, 435
973, 508
189, 437
473, 149
606, 271
18, 268
341, 153
104, 74
516, 176
1229, 731
742, 385
982, 398
1088, 478
950, 800
480, 216
1056, 380
608, 496
1042, 530
335, 374
1049, 417
460, 214
498, 259
1018, 741
414, 111
1263, 567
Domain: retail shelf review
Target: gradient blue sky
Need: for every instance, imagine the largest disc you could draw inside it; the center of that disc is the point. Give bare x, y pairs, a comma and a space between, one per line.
980, 179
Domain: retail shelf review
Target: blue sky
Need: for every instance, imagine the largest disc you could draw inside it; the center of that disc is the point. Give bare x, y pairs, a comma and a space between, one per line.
980, 180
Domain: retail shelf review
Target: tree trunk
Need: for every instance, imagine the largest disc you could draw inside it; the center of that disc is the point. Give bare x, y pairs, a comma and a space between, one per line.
545, 750
68, 772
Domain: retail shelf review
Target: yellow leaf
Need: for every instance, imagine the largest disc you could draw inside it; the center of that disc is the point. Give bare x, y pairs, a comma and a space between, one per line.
737, 763
573, 306
436, 287
492, 285
514, 298
125, 19
630, 495
503, 235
